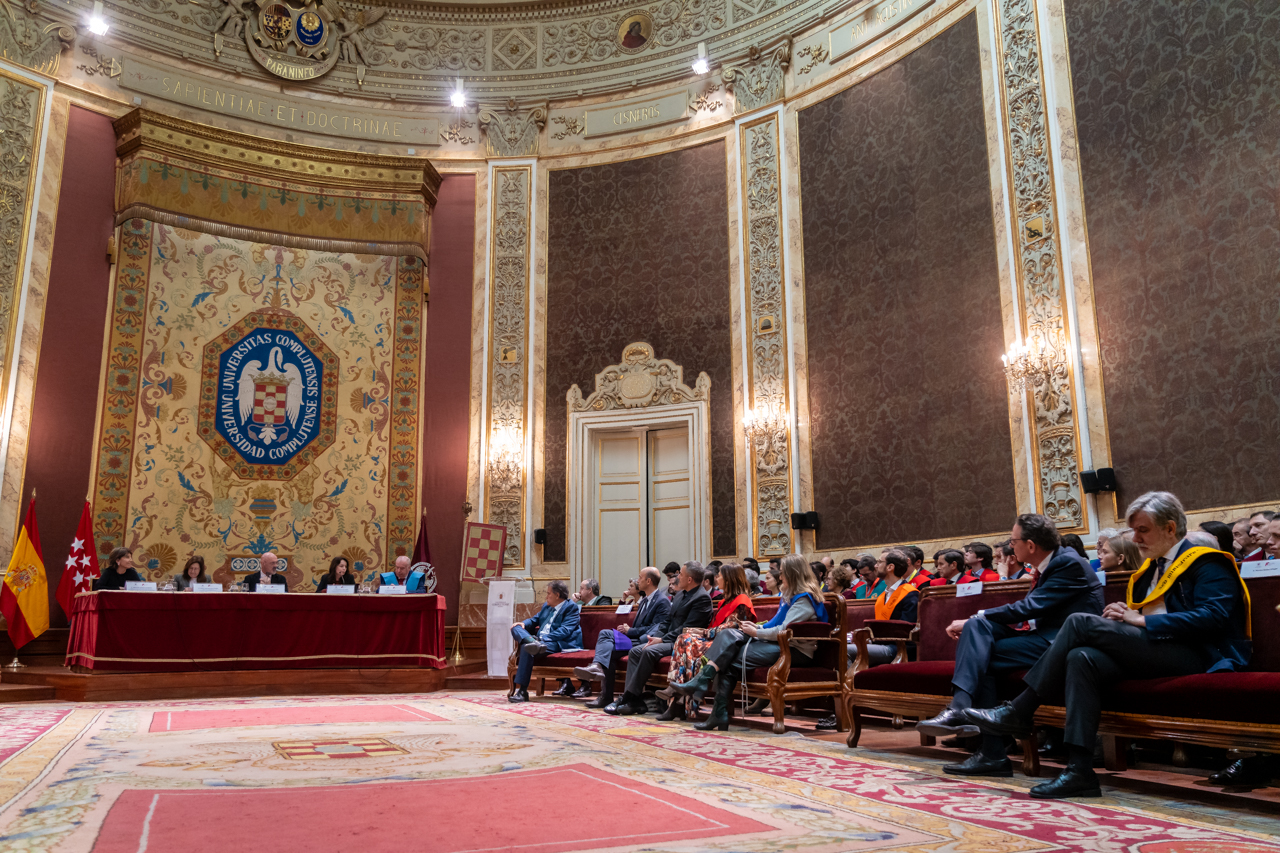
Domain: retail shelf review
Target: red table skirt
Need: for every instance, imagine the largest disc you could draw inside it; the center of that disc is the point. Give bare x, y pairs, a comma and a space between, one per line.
192, 632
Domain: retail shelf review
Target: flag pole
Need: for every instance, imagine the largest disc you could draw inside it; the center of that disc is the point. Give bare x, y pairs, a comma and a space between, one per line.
15, 664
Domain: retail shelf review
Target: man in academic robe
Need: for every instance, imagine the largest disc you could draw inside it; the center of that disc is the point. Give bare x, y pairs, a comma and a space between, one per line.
1186, 611
266, 574
1013, 636
899, 601
412, 582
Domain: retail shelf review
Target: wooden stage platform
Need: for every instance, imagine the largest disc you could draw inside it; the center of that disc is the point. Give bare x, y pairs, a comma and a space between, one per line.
66, 685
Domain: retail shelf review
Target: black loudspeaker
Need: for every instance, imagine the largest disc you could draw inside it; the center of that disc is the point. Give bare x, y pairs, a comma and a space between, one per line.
1101, 480
798, 521
811, 520
540, 536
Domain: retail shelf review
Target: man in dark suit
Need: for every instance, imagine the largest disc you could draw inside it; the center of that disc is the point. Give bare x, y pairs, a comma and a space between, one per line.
1185, 613
267, 563
588, 594
556, 628
651, 616
690, 609
1013, 637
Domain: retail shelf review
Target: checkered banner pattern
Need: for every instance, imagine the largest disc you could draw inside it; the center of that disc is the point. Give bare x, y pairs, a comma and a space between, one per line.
482, 552
269, 403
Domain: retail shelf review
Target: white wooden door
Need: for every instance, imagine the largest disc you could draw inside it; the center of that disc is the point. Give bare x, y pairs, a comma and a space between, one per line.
621, 522
670, 485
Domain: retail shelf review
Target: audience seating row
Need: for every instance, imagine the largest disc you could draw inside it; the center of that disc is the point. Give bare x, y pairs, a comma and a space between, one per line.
780, 683
1233, 710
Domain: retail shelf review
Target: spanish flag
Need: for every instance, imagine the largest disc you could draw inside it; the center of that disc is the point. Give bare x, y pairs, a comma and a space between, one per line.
24, 597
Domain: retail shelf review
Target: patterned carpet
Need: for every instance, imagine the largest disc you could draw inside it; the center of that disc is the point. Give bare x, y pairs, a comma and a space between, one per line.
467, 772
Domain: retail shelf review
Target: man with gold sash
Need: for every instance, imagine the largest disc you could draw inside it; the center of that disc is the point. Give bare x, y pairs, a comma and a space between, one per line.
1187, 611
1013, 637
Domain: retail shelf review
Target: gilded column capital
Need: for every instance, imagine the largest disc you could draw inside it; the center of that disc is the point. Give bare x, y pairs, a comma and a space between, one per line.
33, 41
760, 79
510, 131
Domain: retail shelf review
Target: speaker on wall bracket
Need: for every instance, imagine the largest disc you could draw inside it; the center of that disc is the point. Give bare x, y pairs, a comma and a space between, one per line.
540, 536
1101, 480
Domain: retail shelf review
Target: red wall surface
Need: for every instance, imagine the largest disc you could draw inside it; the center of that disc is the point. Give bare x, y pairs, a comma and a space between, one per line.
60, 453
446, 395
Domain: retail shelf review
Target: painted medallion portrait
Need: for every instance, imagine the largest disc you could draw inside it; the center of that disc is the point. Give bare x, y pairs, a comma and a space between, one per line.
634, 33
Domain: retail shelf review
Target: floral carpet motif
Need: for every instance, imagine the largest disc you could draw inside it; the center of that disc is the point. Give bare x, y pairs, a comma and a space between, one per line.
543, 776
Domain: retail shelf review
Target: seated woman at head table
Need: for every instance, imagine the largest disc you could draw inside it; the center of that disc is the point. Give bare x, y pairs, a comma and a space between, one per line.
118, 572
192, 572
339, 574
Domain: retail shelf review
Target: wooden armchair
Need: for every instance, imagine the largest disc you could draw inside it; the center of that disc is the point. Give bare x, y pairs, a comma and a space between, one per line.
782, 683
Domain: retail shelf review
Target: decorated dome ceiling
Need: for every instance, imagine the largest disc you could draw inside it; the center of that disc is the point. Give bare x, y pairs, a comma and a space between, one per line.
413, 53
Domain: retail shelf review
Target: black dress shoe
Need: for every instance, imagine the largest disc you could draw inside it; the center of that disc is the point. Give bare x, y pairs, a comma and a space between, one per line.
521, 695
828, 723
979, 765
604, 700
1003, 720
674, 711
534, 648
950, 722
1072, 782
566, 690
1253, 771
583, 692
625, 707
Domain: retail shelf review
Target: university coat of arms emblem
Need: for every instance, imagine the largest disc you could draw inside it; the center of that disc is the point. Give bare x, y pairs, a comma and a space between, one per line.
298, 39
268, 396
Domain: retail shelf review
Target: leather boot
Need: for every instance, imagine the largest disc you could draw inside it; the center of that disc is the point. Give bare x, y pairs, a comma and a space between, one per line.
674, 711
698, 686
719, 716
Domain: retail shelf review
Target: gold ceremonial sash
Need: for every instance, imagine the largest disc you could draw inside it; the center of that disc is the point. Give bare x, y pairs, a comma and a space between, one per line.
886, 604
1175, 570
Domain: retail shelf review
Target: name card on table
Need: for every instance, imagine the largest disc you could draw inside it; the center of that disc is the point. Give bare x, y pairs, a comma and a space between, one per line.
140, 586
970, 588
1260, 569
271, 588
391, 589
623, 609
341, 589
206, 587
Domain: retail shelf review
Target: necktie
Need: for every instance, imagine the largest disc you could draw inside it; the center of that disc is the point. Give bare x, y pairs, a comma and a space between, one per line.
1160, 566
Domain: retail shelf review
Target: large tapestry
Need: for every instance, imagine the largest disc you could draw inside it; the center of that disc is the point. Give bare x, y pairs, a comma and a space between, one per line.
258, 398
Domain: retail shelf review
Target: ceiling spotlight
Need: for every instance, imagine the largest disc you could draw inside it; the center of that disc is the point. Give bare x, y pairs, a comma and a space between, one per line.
459, 97
701, 65
97, 21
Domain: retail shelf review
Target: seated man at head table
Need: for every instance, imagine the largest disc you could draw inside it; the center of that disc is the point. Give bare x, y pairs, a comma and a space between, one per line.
267, 574
411, 581
1186, 612
556, 628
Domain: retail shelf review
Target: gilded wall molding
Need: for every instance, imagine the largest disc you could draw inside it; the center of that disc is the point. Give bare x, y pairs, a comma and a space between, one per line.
508, 367
510, 131
31, 41
1038, 264
639, 381
767, 367
761, 79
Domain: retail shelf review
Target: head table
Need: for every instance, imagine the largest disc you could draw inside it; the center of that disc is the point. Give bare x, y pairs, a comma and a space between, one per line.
192, 631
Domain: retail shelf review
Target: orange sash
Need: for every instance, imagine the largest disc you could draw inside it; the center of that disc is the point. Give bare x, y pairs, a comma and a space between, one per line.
886, 603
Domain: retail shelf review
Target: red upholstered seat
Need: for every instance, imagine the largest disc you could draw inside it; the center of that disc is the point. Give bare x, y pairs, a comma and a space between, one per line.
581, 657
1242, 697
797, 675
926, 677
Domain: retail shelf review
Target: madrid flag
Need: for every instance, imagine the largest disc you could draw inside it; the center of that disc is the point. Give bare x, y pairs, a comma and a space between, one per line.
82, 563
24, 597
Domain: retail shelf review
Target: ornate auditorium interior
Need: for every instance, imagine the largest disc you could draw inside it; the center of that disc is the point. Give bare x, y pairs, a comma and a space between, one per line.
744, 425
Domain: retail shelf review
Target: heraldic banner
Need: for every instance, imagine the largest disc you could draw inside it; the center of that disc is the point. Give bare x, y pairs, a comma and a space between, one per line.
258, 398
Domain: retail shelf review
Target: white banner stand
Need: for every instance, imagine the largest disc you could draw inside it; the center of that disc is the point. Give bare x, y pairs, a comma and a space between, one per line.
501, 615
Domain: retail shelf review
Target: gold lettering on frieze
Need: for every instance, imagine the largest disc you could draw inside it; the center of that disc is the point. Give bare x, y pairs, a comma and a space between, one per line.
616, 118
870, 23
303, 115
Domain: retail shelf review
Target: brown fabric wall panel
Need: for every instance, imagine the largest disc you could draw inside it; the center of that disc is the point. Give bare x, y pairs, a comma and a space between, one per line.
639, 251
60, 452
909, 420
446, 394
1178, 113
